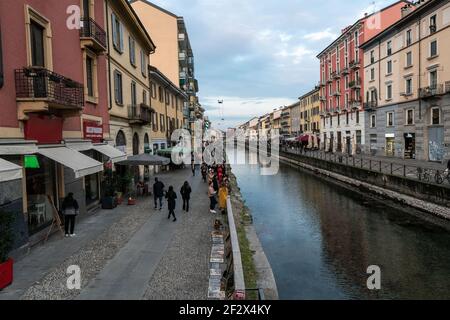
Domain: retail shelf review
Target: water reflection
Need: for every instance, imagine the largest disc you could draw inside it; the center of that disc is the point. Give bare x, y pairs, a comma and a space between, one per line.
320, 238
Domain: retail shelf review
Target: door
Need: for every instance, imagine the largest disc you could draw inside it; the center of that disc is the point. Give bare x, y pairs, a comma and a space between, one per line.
331, 142
390, 147
436, 144
410, 145
349, 145
339, 142
38, 60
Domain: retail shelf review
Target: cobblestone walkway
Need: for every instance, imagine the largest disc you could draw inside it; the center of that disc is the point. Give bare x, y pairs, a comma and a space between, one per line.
127, 253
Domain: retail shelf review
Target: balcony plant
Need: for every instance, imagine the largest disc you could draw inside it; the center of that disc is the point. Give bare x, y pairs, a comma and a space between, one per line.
6, 243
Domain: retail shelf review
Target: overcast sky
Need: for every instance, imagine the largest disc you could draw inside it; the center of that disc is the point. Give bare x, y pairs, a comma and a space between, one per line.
257, 55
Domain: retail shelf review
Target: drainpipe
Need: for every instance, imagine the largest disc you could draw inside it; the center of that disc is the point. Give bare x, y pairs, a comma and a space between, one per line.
108, 55
420, 67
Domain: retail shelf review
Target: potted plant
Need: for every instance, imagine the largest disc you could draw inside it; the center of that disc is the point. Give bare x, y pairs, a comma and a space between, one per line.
6, 243
109, 188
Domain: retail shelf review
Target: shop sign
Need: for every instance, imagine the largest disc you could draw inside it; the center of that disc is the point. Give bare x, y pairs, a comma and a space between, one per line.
93, 131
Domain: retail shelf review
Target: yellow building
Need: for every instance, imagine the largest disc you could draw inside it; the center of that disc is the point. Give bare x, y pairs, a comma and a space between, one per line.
310, 113
129, 50
168, 102
407, 82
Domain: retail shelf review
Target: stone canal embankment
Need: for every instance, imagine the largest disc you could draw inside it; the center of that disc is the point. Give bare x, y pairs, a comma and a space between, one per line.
423, 196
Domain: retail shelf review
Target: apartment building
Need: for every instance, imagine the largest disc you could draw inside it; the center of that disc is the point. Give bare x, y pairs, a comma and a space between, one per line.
55, 120
286, 122
310, 113
130, 113
295, 119
407, 81
167, 102
174, 56
342, 79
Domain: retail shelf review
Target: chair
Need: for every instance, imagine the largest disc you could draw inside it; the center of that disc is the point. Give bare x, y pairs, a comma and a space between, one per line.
40, 212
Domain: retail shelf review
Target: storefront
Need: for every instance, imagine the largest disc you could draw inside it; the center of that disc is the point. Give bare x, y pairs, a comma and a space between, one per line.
410, 145
390, 145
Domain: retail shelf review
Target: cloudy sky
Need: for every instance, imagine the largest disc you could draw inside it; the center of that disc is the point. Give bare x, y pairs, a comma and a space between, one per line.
257, 55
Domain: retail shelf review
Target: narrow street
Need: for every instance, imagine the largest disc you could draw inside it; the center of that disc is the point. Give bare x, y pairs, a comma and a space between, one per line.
127, 253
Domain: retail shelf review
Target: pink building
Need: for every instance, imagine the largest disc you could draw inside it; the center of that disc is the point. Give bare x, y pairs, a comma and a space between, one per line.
342, 79
54, 104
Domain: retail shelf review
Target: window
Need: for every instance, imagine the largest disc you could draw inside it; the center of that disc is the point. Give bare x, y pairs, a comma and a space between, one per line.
339, 119
433, 79
153, 90
160, 94
167, 98
389, 92
389, 67
155, 121
132, 49
389, 48
408, 37
409, 59
408, 88
372, 56
410, 116
346, 118
133, 94
357, 117
90, 76
143, 64
433, 26
118, 87
144, 97
117, 30
433, 49
373, 121
162, 124
346, 82
37, 44
389, 119
372, 74
435, 116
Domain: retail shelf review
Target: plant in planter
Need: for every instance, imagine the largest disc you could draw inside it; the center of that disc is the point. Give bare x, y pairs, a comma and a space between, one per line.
6, 243
109, 188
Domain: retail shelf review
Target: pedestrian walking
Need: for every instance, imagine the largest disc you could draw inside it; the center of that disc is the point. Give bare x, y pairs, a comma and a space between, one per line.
204, 170
70, 210
171, 197
186, 195
158, 193
223, 196
212, 198
193, 168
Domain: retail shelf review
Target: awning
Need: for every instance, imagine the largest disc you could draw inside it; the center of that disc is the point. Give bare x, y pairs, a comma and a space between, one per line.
17, 147
174, 149
9, 171
112, 153
145, 160
80, 145
81, 165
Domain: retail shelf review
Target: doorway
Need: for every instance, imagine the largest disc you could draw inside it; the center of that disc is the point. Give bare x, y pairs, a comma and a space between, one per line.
410, 145
436, 149
390, 146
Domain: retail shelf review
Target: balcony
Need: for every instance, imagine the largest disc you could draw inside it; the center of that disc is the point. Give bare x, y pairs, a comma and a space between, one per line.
355, 64
322, 83
323, 98
335, 75
355, 104
285, 123
330, 79
41, 90
92, 35
370, 105
182, 56
336, 93
434, 91
355, 84
345, 71
139, 114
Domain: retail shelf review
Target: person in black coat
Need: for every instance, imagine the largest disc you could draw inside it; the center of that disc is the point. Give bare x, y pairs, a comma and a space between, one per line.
70, 211
158, 193
186, 195
171, 197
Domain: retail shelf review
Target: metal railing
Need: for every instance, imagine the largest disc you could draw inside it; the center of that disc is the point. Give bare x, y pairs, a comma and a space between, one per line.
91, 29
140, 113
40, 83
384, 166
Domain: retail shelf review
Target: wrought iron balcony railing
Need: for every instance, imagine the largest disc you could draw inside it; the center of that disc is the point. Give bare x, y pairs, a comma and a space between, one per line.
140, 114
370, 105
91, 29
434, 90
45, 85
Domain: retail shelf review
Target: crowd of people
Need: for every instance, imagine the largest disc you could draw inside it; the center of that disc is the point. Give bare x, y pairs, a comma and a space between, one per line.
218, 189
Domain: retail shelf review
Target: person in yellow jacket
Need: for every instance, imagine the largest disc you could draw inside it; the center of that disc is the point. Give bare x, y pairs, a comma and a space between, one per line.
223, 195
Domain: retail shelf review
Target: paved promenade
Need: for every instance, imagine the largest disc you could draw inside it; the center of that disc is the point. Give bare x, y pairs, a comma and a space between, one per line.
132, 252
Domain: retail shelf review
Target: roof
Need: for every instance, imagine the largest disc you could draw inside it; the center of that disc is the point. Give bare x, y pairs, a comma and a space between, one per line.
155, 6
344, 34
155, 71
405, 20
309, 93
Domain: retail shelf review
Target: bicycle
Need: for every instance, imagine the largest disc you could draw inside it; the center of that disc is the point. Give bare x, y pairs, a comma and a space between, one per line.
441, 177
423, 174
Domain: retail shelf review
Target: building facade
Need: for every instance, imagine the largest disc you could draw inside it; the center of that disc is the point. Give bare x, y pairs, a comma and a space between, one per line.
174, 56
55, 121
286, 122
342, 79
407, 81
310, 113
168, 102
130, 113
295, 119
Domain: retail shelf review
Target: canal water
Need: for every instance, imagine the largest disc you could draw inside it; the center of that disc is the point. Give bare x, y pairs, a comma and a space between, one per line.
320, 238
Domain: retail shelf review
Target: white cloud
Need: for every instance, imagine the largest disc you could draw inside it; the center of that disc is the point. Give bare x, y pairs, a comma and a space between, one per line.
321, 35
296, 54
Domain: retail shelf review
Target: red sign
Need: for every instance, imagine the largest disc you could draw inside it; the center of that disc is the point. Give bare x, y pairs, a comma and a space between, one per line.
44, 129
93, 131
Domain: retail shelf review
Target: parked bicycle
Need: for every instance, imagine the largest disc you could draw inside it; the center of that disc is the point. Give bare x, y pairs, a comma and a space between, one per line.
441, 177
